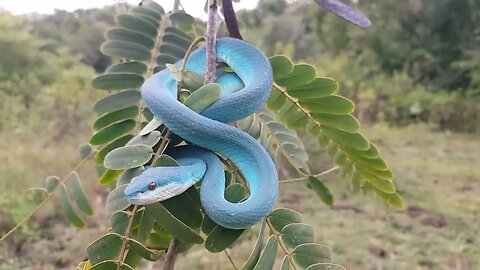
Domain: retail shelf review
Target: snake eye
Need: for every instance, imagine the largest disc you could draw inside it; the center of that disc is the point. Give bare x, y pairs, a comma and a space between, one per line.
152, 186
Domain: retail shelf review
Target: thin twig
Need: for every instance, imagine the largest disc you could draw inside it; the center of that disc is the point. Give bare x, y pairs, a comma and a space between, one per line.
171, 256
49, 195
211, 38
316, 175
153, 60
230, 19
189, 51
230, 259
282, 245
121, 256
176, 5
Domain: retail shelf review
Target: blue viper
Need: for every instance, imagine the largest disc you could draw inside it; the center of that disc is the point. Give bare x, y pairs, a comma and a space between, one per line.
209, 134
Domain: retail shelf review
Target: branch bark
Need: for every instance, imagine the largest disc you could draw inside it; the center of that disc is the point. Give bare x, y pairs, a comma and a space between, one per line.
230, 19
211, 38
171, 256
176, 5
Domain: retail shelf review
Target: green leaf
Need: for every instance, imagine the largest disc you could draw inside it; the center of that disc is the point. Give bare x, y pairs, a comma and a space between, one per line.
390, 198
119, 221
181, 18
150, 127
255, 255
165, 58
203, 97
321, 190
153, 5
151, 139
276, 100
285, 263
100, 156
147, 12
301, 75
178, 32
192, 81
146, 226
72, 217
176, 39
125, 49
36, 195
267, 258
105, 248
117, 101
128, 175
165, 161
128, 157
143, 251
326, 266
109, 118
308, 254
181, 231
51, 183
128, 67
85, 149
117, 81
281, 217
173, 50
318, 88
122, 34
295, 234
345, 122
78, 194
109, 265
332, 104
108, 176
186, 208
353, 140
116, 200
136, 23
112, 132
281, 66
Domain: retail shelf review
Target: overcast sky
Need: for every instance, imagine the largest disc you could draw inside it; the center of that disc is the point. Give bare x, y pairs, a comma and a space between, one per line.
193, 7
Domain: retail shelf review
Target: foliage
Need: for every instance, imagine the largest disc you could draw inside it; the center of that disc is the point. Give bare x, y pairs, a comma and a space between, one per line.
127, 138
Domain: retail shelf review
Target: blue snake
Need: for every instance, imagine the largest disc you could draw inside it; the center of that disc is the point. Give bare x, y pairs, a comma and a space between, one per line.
209, 134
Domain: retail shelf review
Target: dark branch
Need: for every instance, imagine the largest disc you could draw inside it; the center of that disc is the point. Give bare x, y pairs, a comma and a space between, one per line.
230, 19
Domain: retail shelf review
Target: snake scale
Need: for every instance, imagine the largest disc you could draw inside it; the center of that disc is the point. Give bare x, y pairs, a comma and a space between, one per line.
209, 134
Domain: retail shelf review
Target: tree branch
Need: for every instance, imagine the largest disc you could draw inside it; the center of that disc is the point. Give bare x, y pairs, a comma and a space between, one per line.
230, 19
316, 175
171, 256
211, 38
176, 5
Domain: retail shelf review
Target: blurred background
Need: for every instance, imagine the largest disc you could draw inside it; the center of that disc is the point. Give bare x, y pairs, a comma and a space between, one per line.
414, 76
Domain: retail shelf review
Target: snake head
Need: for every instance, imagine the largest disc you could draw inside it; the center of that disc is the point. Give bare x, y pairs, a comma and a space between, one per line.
160, 183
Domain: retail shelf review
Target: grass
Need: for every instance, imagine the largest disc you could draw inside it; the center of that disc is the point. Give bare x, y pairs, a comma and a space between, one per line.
436, 172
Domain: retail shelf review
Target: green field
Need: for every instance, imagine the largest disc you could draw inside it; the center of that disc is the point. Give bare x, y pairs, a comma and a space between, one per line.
436, 172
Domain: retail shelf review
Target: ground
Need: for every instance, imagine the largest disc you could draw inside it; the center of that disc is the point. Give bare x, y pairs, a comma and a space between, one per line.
436, 173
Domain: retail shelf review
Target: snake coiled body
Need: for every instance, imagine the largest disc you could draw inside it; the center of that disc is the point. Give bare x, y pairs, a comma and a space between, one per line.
211, 133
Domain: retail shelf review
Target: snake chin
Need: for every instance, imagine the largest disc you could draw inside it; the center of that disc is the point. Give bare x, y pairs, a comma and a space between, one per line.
159, 194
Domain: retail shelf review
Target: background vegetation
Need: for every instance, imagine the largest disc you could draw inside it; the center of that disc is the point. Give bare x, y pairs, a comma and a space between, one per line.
415, 73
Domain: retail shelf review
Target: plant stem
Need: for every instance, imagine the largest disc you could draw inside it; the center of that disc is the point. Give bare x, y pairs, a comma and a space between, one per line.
121, 256
176, 5
171, 256
282, 245
230, 259
316, 175
189, 51
49, 195
211, 38
230, 19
